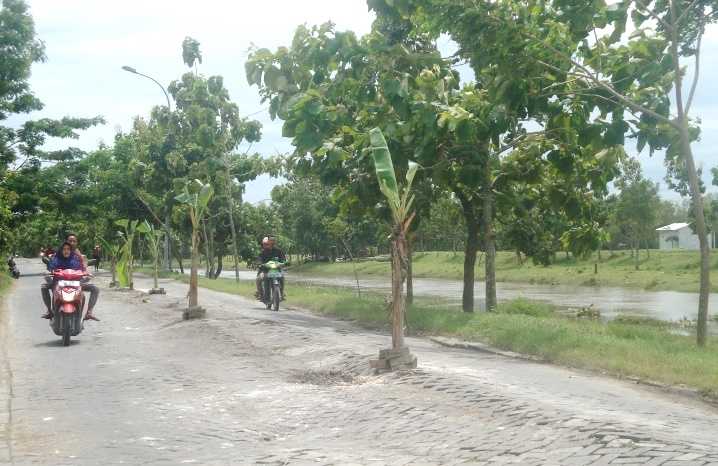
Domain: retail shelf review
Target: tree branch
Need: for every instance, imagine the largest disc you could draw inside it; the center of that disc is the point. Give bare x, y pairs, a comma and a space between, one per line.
598, 82
697, 69
147, 206
685, 12
642, 6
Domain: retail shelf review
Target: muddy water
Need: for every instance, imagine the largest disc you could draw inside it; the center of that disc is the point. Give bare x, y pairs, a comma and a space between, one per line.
612, 302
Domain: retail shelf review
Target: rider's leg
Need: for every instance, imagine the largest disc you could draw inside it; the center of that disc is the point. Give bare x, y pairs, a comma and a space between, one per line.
94, 295
259, 286
281, 288
45, 290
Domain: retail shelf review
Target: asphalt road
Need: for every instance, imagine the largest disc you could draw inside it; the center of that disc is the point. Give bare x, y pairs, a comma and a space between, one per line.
248, 386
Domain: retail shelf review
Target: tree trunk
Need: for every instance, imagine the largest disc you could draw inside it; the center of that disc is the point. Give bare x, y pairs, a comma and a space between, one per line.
168, 247
696, 195
113, 265
470, 253
490, 247
178, 255
156, 264
209, 266
232, 227
398, 244
409, 273
193, 272
471, 249
220, 257
636, 246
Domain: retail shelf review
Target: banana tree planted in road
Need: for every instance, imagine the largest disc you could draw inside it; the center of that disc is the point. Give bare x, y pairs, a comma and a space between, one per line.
126, 258
196, 197
154, 238
112, 250
400, 202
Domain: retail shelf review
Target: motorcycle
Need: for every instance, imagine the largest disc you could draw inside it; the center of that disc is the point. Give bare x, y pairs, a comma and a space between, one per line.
68, 303
13, 269
272, 284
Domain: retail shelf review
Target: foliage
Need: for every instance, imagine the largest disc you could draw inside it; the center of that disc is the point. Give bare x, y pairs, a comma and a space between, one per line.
636, 208
196, 197
21, 146
126, 254
154, 238
400, 202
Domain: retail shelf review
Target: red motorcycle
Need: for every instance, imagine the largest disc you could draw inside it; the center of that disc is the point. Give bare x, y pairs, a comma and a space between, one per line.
68, 303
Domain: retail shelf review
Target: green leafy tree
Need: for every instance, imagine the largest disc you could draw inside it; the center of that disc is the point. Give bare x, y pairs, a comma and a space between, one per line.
636, 208
585, 55
112, 251
400, 83
21, 146
154, 240
126, 257
195, 197
400, 202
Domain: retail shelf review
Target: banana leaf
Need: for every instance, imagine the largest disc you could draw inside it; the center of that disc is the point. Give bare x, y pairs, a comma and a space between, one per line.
384, 169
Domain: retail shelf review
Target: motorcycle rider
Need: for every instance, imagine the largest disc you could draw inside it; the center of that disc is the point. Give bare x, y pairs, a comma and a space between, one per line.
268, 253
72, 239
69, 258
97, 256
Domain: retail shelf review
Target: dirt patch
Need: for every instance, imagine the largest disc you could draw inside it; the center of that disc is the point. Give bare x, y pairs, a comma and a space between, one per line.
328, 377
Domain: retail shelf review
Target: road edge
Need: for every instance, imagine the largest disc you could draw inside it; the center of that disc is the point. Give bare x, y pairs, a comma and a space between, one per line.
678, 390
6, 376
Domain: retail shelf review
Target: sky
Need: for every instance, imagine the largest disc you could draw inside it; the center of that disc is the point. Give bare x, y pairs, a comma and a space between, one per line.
88, 41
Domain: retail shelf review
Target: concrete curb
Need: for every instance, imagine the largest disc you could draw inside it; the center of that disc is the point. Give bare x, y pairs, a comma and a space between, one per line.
469, 345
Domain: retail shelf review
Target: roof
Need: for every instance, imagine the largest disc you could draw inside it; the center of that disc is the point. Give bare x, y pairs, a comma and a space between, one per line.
673, 227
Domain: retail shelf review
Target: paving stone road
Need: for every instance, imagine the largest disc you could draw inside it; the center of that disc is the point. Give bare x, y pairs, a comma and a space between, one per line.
248, 386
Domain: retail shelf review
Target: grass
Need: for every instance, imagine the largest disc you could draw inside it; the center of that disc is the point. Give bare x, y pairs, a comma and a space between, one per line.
664, 270
5, 282
627, 347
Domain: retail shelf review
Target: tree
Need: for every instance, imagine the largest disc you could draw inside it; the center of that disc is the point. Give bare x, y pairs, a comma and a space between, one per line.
126, 258
637, 207
331, 89
583, 53
443, 228
304, 209
195, 197
154, 239
21, 147
400, 202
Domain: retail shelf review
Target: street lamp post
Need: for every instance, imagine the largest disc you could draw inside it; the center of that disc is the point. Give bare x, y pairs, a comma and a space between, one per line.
167, 255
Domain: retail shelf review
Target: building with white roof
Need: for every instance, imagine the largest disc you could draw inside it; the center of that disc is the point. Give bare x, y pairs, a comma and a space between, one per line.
677, 236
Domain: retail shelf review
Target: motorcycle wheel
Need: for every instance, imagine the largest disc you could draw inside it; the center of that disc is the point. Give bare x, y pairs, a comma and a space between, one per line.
66, 329
275, 297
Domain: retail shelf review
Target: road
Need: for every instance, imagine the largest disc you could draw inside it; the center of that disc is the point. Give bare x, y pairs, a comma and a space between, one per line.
248, 386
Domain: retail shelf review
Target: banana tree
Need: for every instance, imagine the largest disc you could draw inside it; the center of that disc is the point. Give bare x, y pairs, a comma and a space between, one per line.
126, 259
154, 239
400, 202
196, 197
112, 250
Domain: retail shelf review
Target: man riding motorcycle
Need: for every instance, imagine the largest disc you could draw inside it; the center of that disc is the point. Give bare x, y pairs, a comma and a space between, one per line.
268, 253
72, 239
69, 258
